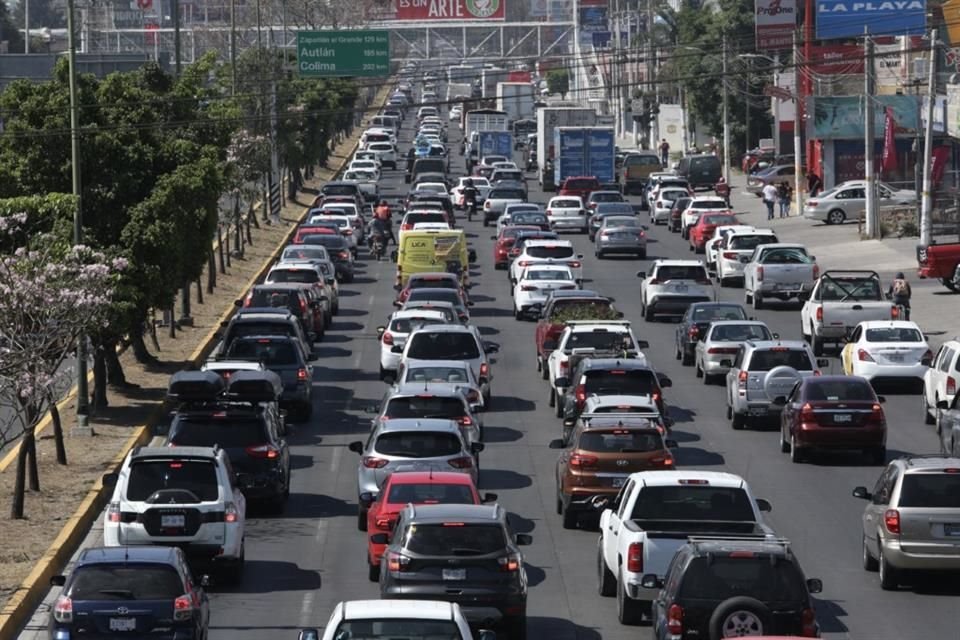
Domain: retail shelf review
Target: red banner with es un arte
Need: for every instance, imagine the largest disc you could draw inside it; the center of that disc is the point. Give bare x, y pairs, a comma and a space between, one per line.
428, 10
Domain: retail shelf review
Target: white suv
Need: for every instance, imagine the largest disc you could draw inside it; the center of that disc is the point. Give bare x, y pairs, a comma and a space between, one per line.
184, 497
548, 252
393, 336
940, 380
738, 244
673, 285
419, 618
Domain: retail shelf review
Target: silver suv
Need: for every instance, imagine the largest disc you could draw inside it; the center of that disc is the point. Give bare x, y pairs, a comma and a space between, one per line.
912, 518
414, 445
762, 371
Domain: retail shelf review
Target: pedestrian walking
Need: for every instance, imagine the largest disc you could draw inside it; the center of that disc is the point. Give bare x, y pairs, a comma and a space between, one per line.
664, 152
770, 199
783, 197
814, 183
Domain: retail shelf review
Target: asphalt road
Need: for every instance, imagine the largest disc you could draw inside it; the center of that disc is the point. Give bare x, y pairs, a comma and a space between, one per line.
301, 564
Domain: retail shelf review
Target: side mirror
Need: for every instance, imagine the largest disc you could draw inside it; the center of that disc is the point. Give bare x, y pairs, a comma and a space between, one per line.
823, 362
643, 344
380, 538
367, 498
381, 330
489, 497
726, 363
313, 355
804, 296
942, 404
356, 446
664, 380
619, 315
58, 581
813, 258
309, 634
579, 256
396, 303
641, 274
881, 399
776, 336
493, 237
556, 444
671, 444
471, 303
393, 256
372, 409
779, 401
562, 382
862, 493
744, 259
764, 505
472, 255
651, 581
477, 447
523, 539
814, 585
549, 345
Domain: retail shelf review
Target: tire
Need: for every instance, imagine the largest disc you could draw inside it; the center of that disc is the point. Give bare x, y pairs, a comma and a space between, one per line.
784, 445
796, 454
544, 372
373, 572
686, 358
516, 627
361, 519
305, 412
698, 372
878, 455
559, 503
836, 216
757, 300
606, 581
817, 345
928, 417
889, 577
740, 616
598, 255
629, 612
517, 314
642, 254
558, 407
648, 314
570, 519
737, 420
233, 572
869, 562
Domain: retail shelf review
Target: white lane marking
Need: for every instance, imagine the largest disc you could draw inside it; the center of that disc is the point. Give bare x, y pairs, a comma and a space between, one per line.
306, 609
335, 460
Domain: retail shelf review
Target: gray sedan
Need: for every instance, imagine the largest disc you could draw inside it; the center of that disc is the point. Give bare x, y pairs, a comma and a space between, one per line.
722, 341
848, 200
620, 234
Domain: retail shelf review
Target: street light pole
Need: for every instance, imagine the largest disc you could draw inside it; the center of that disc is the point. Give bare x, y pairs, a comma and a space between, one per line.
726, 119
798, 189
926, 210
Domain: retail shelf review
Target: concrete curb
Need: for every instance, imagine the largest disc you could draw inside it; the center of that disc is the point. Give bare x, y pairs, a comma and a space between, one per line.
19, 608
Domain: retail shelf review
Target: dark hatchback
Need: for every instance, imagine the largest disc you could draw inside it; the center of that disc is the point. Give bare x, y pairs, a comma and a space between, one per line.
130, 592
693, 325
339, 251
610, 377
604, 209
284, 357
296, 299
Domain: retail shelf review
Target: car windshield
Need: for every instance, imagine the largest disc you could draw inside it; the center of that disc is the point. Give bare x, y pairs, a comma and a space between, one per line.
716, 219
550, 251
506, 194
621, 382
604, 340
739, 333
424, 406
393, 628
437, 374
459, 539
418, 444
150, 476
839, 391
294, 275
620, 441
615, 207
709, 204
721, 576
127, 581
566, 204
681, 272
435, 293
767, 359
269, 352
621, 221
524, 217
445, 345
693, 502
893, 334
406, 325
430, 493
931, 490
786, 256
300, 252
548, 275
719, 312
743, 242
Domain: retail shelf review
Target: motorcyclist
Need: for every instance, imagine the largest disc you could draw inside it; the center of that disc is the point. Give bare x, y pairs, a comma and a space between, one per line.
470, 194
379, 231
382, 213
900, 293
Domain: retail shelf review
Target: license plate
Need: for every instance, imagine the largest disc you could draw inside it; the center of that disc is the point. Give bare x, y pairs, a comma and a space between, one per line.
679, 287
618, 482
123, 624
951, 529
454, 574
842, 417
789, 286
758, 411
895, 358
173, 522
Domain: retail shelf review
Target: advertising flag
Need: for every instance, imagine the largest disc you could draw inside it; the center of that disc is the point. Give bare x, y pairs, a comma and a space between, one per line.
889, 162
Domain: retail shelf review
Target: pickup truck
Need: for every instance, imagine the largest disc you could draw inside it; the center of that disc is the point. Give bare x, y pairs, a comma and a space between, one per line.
588, 339
653, 515
941, 261
778, 270
558, 308
841, 300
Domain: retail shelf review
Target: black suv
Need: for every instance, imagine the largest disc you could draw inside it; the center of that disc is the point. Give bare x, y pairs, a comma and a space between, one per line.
693, 325
610, 377
243, 419
717, 588
263, 321
459, 553
284, 356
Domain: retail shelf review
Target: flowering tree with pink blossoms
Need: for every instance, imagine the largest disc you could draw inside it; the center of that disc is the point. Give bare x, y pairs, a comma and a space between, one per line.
51, 294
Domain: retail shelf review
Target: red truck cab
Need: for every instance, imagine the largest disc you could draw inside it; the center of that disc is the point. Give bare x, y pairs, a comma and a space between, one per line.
581, 186
941, 261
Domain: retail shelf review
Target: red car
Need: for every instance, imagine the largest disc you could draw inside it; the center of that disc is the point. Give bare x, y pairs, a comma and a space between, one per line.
439, 280
413, 487
940, 261
581, 186
312, 231
505, 241
833, 412
705, 226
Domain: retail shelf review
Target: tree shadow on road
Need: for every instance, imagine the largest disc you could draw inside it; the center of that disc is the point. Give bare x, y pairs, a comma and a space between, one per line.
560, 629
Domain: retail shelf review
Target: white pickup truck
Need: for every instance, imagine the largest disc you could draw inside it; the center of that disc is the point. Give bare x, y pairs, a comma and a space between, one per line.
839, 302
588, 339
779, 270
652, 517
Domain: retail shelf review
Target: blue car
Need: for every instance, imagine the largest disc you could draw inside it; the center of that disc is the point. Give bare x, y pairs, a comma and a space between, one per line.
130, 592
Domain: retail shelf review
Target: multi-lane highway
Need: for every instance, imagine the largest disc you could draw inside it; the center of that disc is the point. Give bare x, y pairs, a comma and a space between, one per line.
301, 564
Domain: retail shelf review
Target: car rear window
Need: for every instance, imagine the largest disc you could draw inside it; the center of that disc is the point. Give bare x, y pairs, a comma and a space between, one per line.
566, 204
719, 219
671, 195
709, 204
693, 502
454, 539
522, 217
294, 275
129, 581
602, 339
930, 490
893, 334
425, 406
850, 289
615, 207
299, 252
330, 241
279, 299
743, 242
389, 628
437, 374
606, 197
230, 432
580, 184
739, 333
260, 328
406, 325
150, 476
767, 359
429, 493
553, 275
681, 272
786, 256
620, 441
550, 252
641, 160
501, 174
719, 577
418, 444
339, 190
839, 391
506, 194
443, 346
621, 382
621, 221
440, 294
269, 352
435, 282
726, 312
414, 218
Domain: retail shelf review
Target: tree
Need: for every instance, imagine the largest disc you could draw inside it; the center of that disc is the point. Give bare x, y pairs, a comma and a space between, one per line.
9, 30
43, 13
51, 294
558, 81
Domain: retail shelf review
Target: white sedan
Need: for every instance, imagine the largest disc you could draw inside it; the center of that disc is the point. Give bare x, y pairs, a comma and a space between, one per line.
892, 349
567, 212
544, 252
534, 283
714, 244
365, 165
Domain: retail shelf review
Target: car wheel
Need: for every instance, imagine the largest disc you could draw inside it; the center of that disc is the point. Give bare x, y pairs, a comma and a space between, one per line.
868, 561
648, 313
544, 372
676, 351
817, 345
606, 582
373, 572
878, 455
757, 300
570, 519
361, 519
558, 409
697, 371
598, 255
737, 420
784, 445
516, 627
740, 616
552, 399
629, 612
836, 216
517, 314
707, 377
642, 254
927, 416
687, 357
559, 502
796, 454
233, 572
888, 575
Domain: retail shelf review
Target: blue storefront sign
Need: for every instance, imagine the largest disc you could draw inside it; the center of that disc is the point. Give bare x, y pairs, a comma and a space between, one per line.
841, 117
593, 19
851, 18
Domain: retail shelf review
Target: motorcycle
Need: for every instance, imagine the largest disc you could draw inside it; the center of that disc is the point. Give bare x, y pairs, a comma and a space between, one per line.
378, 246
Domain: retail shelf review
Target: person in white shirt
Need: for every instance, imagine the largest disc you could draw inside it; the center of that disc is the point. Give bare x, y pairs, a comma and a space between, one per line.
770, 199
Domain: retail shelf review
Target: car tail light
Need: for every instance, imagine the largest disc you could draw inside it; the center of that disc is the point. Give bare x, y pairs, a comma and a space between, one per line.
510, 563
808, 623
641, 235
722, 350
397, 562
807, 414
581, 461
654, 281
348, 232
113, 512
951, 386
384, 523
927, 358
663, 461
63, 609
816, 271
528, 287
742, 380
891, 520
183, 607
635, 557
344, 255
230, 513
524, 263
387, 338
463, 462
657, 399
549, 212
303, 306
564, 364
894, 313
877, 414
303, 374
864, 356
759, 273
406, 227
675, 619
486, 204
693, 332
729, 255
580, 394
574, 264
703, 280
266, 451
820, 313
373, 462
466, 421
248, 301
812, 203
484, 370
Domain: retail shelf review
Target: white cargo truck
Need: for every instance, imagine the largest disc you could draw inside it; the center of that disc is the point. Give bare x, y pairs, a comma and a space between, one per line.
516, 99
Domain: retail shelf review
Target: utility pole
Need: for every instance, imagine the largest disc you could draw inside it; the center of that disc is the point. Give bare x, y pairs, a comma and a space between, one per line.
798, 187
926, 210
726, 118
776, 105
176, 40
652, 133
83, 395
868, 141
233, 46
746, 141
26, 26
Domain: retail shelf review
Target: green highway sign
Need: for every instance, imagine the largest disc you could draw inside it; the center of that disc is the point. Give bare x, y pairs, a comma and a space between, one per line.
343, 53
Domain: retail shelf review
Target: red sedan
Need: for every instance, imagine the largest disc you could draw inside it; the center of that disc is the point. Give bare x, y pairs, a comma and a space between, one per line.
705, 226
413, 487
506, 240
833, 412
311, 231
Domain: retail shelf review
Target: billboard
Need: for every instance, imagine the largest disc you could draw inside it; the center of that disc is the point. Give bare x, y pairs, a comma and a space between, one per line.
775, 22
852, 18
836, 59
428, 10
593, 19
836, 117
